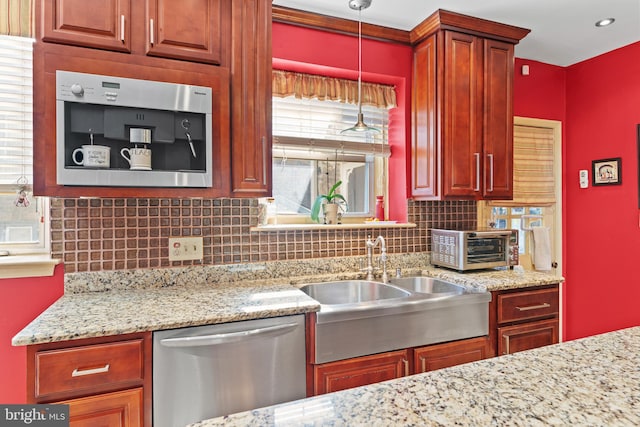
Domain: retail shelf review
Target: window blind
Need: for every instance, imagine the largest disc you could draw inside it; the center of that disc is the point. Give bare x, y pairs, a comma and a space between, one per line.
533, 167
16, 111
314, 126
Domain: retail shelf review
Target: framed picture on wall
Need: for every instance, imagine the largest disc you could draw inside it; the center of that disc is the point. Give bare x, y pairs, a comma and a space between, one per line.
607, 171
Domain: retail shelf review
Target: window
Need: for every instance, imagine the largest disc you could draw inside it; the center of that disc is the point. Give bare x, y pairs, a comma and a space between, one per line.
517, 218
23, 218
537, 189
310, 154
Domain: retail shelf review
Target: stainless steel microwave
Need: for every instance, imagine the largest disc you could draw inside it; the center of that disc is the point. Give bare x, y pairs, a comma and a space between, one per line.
169, 123
464, 250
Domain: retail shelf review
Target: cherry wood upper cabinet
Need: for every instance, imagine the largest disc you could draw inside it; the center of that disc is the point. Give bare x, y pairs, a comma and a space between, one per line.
103, 24
498, 120
191, 30
251, 98
194, 30
462, 108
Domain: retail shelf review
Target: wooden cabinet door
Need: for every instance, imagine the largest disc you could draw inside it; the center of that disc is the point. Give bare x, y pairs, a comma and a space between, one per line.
425, 125
462, 130
251, 98
344, 374
498, 120
440, 356
193, 30
526, 336
102, 24
122, 408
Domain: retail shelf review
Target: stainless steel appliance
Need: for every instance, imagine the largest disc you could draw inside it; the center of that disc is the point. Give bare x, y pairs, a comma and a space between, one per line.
474, 249
514, 248
209, 371
171, 120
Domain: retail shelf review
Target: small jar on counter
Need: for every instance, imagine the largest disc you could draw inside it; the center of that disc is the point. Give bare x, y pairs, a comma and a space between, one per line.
380, 208
267, 211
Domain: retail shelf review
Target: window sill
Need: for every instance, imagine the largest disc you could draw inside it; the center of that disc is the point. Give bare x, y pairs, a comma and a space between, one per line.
365, 225
19, 266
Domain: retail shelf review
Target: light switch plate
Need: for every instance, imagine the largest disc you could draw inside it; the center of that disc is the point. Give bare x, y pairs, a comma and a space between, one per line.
185, 248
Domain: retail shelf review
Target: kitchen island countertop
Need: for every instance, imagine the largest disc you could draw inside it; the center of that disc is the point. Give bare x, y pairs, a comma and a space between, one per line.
591, 381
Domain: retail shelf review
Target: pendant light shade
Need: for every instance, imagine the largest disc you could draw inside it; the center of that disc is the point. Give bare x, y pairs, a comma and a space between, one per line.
360, 125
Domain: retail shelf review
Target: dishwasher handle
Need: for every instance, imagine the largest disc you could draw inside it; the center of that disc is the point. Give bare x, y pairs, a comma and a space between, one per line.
226, 338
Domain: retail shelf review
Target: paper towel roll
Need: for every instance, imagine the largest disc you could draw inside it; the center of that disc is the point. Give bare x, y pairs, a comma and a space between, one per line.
541, 248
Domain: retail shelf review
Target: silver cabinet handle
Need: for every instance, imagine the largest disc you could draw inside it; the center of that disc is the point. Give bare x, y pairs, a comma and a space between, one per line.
506, 344
533, 307
216, 339
122, 28
490, 172
477, 156
423, 364
406, 367
151, 32
82, 372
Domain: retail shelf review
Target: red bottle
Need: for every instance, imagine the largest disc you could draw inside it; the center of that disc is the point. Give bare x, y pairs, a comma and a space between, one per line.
380, 208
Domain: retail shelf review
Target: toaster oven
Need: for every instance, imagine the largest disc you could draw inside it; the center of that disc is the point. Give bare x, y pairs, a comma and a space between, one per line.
464, 250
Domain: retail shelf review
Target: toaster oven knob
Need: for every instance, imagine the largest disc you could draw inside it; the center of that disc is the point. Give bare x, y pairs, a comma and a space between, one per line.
77, 90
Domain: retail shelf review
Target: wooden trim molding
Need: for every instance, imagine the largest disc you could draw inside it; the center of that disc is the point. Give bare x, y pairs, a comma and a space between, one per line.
331, 24
439, 20
445, 20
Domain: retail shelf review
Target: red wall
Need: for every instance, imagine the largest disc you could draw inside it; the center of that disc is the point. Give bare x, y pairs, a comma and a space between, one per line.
22, 300
308, 50
602, 223
541, 94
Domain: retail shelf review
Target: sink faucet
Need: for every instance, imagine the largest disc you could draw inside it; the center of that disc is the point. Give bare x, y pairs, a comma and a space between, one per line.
383, 257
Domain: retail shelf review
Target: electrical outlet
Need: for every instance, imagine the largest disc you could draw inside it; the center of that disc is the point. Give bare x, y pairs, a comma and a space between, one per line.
185, 248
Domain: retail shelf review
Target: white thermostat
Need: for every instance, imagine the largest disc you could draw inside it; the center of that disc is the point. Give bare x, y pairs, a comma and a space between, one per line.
584, 178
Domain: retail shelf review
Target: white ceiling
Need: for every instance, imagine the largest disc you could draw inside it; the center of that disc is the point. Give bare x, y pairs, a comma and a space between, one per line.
562, 31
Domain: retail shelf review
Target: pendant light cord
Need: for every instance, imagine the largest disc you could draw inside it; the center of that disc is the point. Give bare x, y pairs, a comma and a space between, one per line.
360, 60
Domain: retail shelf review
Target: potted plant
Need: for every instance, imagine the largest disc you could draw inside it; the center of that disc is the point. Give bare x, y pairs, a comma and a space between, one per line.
329, 203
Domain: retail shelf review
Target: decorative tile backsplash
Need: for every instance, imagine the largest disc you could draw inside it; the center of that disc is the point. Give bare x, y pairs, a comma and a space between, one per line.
122, 234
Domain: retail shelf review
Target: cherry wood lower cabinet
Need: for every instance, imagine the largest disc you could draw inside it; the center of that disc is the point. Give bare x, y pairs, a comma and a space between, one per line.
359, 371
121, 408
349, 373
450, 354
105, 381
512, 339
522, 319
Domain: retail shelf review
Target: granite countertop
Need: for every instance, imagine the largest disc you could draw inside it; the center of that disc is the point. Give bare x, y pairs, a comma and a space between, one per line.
118, 302
94, 314
592, 381
498, 279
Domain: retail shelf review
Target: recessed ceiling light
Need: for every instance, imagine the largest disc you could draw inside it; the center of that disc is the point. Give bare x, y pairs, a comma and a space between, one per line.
605, 22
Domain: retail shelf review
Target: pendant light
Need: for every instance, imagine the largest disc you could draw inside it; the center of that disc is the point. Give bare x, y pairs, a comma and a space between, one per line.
360, 125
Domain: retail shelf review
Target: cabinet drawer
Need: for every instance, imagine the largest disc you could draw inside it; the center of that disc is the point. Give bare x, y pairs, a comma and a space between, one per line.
528, 305
81, 369
515, 338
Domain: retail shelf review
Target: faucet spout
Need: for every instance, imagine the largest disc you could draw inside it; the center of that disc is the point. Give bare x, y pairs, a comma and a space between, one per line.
383, 257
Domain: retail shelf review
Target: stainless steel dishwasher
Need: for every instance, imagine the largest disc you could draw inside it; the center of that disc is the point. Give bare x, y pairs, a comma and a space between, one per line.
208, 371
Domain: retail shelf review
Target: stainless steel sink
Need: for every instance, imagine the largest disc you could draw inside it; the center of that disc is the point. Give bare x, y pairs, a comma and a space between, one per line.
428, 285
360, 317
352, 292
